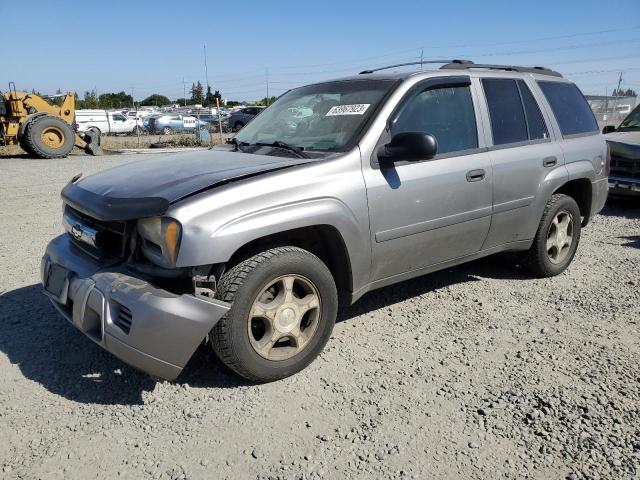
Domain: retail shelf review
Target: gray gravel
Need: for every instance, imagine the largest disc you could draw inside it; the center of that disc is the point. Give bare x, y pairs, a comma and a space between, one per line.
479, 371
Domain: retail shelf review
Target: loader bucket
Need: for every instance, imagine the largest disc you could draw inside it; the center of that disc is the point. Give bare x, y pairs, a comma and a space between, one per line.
90, 143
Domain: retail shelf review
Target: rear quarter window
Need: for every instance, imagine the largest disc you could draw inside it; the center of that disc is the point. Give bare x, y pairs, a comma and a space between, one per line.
569, 107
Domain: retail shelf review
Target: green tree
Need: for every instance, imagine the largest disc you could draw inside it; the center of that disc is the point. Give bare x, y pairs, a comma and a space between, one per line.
182, 101
115, 100
156, 99
197, 93
89, 101
217, 95
266, 101
209, 100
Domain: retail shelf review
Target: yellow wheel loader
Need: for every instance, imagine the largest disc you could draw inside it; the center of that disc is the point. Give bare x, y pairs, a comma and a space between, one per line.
41, 129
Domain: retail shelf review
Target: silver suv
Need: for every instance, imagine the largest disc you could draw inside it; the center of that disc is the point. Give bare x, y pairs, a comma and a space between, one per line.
251, 247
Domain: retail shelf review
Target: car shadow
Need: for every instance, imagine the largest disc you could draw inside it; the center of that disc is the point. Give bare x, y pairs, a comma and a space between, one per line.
633, 241
50, 351
502, 266
626, 207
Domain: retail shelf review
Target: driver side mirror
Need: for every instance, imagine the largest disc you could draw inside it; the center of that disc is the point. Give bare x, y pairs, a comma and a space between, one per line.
608, 129
409, 146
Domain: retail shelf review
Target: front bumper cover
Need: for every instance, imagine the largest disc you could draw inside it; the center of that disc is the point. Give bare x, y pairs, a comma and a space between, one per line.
160, 331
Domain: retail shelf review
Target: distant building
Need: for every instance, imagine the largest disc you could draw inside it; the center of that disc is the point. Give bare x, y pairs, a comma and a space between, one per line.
611, 110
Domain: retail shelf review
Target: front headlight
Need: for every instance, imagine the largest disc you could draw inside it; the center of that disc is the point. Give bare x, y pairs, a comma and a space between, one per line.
160, 239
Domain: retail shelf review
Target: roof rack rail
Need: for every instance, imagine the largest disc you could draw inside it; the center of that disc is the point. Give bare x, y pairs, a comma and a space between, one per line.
448, 62
510, 68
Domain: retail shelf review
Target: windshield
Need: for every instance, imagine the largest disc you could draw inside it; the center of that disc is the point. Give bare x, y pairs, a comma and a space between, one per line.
325, 116
632, 122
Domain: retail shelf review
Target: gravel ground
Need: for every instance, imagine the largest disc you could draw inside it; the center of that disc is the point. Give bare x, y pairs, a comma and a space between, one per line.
479, 371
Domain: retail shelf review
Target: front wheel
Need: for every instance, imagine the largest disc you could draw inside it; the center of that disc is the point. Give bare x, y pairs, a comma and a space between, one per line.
283, 307
557, 238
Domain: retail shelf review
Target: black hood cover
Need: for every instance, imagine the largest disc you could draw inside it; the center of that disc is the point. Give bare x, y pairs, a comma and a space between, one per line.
145, 188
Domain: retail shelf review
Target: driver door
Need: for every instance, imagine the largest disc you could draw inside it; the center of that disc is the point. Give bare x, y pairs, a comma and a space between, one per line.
427, 212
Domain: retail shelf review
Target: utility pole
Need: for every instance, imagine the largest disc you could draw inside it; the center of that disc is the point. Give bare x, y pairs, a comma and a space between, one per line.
421, 57
184, 92
266, 76
206, 70
133, 102
619, 83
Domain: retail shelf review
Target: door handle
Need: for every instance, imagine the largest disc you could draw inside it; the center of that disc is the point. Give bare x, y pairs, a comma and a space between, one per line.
549, 161
475, 175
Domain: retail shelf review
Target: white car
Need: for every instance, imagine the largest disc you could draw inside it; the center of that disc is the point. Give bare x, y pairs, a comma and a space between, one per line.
103, 122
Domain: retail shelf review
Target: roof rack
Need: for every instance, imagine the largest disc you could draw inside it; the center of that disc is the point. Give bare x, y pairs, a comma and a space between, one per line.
468, 65
448, 62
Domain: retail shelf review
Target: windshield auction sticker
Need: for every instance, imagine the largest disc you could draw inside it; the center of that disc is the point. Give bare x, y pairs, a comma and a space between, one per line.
355, 109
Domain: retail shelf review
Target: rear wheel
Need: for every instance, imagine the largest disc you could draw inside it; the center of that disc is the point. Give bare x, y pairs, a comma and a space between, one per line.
238, 126
283, 309
557, 238
49, 137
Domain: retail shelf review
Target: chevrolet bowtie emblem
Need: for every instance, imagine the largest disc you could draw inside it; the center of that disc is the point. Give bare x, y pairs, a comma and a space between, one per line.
76, 231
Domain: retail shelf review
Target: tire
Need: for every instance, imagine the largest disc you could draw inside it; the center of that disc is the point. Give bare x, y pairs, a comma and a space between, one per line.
540, 257
49, 137
238, 126
22, 141
234, 337
167, 131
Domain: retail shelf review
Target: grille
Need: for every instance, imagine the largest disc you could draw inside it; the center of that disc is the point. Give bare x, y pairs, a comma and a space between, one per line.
124, 319
111, 237
625, 167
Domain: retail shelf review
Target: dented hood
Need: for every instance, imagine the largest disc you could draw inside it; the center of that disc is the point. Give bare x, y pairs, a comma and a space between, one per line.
147, 187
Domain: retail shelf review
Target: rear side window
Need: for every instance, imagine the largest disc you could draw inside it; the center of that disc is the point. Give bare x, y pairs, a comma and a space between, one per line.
569, 107
508, 124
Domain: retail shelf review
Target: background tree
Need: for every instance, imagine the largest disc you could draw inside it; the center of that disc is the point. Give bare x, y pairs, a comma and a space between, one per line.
620, 92
115, 100
156, 99
209, 100
266, 101
89, 101
217, 95
197, 93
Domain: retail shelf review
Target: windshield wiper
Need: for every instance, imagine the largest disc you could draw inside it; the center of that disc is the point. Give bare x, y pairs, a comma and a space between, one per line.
284, 146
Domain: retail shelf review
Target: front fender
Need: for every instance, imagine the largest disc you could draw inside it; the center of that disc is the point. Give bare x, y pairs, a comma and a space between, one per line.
229, 237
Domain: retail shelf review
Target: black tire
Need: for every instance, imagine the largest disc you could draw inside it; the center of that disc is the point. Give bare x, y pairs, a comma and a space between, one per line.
22, 141
238, 126
167, 131
538, 259
242, 284
34, 133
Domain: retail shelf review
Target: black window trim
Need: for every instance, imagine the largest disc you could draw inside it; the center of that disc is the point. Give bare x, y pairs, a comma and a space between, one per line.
523, 143
429, 84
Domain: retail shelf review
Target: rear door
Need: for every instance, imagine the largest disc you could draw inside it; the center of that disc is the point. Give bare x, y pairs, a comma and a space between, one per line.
426, 212
523, 155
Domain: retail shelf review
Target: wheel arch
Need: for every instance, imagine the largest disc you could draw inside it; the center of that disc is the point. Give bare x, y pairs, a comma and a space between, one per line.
324, 241
580, 189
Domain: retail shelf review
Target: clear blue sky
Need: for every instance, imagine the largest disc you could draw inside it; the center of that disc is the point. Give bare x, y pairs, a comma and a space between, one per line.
150, 46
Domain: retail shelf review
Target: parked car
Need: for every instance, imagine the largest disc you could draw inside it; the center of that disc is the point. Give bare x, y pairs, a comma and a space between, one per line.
252, 246
168, 124
215, 121
104, 122
624, 143
240, 118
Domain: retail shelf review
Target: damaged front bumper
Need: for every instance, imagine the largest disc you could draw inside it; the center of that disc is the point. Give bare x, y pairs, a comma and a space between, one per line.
149, 328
